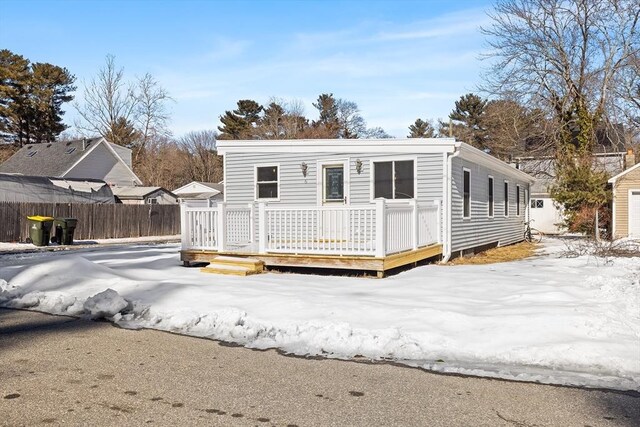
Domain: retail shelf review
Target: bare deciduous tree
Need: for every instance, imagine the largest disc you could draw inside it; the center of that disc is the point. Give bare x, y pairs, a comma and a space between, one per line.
108, 101
204, 164
565, 57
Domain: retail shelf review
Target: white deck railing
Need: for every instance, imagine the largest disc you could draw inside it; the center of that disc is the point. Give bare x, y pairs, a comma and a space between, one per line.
377, 229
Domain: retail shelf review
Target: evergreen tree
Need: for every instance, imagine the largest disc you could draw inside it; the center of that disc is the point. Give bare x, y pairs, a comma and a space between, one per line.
328, 123
123, 132
31, 98
467, 116
421, 129
241, 122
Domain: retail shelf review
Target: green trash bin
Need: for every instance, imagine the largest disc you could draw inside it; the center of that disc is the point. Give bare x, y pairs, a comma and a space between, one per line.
39, 229
63, 230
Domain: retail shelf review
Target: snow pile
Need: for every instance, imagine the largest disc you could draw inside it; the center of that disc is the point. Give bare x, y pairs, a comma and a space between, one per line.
105, 304
548, 319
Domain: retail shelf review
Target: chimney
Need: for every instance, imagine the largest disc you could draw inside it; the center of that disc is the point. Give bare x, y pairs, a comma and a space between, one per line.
629, 159
84, 144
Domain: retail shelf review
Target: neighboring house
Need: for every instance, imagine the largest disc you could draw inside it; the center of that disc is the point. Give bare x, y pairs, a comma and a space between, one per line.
198, 193
39, 189
144, 196
545, 213
363, 204
94, 158
626, 199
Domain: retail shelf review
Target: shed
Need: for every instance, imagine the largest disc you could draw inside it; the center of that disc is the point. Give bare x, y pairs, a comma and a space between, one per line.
144, 195
626, 200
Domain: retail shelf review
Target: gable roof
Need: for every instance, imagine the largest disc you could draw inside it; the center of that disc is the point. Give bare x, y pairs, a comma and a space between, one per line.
136, 192
200, 187
48, 159
623, 173
56, 159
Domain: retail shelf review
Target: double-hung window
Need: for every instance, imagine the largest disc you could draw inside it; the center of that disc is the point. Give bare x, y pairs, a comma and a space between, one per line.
266, 182
466, 193
506, 198
394, 179
491, 203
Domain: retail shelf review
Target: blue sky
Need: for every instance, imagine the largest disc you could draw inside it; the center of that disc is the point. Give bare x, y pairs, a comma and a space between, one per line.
398, 60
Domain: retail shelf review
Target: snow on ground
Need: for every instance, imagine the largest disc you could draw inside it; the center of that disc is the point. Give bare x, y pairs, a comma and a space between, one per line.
548, 319
8, 247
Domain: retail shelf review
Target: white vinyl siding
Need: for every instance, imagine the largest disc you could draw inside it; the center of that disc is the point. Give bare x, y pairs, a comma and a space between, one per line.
296, 189
481, 229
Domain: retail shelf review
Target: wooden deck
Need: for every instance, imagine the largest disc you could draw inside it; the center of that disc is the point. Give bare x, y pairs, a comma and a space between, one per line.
366, 263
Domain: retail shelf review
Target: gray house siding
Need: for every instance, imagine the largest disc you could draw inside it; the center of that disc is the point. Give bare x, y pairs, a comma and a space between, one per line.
479, 229
295, 189
101, 164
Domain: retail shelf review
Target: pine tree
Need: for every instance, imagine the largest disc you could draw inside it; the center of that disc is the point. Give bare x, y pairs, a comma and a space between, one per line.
241, 122
467, 116
31, 98
328, 123
421, 129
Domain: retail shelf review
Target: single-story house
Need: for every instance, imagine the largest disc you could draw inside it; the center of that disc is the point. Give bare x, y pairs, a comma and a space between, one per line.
88, 158
198, 193
144, 196
40, 189
358, 204
546, 214
626, 199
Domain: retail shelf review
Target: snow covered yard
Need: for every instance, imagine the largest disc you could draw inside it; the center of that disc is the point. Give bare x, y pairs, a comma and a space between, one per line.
548, 319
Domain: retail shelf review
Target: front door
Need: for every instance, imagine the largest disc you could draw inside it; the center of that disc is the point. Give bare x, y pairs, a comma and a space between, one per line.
333, 185
333, 219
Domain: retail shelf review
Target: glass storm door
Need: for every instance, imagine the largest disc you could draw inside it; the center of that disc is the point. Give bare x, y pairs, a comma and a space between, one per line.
333, 223
333, 185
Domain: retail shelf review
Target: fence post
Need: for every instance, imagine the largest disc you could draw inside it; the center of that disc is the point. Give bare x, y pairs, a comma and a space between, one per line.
184, 229
262, 228
381, 232
414, 223
252, 223
221, 229
438, 221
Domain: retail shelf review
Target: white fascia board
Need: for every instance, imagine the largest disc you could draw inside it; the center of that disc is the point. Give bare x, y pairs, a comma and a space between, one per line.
339, 146
480, 157
623, 173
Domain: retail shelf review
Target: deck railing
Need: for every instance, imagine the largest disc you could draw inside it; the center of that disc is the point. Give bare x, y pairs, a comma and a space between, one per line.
377, 229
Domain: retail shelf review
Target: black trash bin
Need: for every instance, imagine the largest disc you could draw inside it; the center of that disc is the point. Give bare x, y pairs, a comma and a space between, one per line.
63, 230
39, 229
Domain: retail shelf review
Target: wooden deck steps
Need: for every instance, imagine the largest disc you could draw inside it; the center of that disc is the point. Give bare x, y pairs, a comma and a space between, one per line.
238, 266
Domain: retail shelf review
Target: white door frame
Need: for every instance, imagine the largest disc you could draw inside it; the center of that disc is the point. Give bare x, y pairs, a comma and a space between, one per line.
629, 216
320, 165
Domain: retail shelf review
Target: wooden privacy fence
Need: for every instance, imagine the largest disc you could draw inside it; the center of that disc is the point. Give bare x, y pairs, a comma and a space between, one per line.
95, 221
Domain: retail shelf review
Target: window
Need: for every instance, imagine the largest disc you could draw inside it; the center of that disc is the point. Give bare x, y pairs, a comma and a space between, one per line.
466, 193
506, 198
266, 182
491, 204
537, 203
70, 150
152, 200
31, 153
394, 180
517, 200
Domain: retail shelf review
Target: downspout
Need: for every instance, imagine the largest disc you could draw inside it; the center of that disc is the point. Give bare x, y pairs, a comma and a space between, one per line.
447, 206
